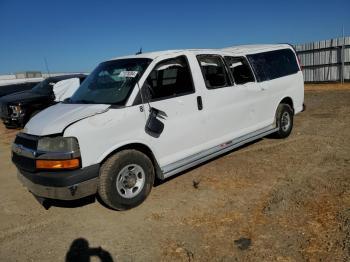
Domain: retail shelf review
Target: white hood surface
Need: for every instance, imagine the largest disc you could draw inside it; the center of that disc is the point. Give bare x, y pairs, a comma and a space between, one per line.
56, 118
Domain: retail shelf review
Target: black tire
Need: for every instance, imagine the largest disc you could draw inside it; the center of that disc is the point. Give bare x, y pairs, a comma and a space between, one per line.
284, 120
115, 195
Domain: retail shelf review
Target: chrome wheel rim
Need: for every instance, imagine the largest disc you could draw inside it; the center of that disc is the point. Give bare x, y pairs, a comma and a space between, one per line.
130, 181
285, 121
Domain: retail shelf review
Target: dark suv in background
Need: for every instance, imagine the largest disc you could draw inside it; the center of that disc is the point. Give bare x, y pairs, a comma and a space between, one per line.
17, 108
17, 87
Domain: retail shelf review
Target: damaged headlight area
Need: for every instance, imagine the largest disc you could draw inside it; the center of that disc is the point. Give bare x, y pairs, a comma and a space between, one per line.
60, 153
16, 111
32, 153
58, 144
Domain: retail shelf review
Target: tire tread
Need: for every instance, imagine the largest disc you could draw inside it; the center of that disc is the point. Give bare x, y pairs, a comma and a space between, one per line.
106, 179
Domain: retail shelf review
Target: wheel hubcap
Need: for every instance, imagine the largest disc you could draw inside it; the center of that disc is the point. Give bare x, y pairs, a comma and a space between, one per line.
130, 181
285, 121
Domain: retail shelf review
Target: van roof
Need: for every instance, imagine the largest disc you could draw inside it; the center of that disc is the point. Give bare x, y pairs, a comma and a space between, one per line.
238, 50
251, 49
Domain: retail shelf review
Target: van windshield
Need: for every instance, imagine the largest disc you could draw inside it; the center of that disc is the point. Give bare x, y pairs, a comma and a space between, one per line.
111, 82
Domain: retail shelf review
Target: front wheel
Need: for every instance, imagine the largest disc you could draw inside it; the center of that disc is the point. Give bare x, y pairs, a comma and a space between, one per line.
126, 179
284, 120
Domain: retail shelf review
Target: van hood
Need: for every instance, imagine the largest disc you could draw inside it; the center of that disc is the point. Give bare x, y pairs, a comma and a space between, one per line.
55, 119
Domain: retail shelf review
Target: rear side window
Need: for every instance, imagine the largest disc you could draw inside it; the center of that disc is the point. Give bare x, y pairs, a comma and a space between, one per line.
169, 78
214, 71
273, 64
239, 69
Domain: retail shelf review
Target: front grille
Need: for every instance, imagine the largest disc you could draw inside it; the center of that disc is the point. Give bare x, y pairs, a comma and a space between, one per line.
23, 163
27, 141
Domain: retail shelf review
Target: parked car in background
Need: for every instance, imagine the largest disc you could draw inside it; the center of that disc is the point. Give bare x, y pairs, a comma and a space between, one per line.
155, 115
16, 109
16, 85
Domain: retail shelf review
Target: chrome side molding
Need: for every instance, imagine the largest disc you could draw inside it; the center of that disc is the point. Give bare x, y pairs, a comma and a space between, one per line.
196, 159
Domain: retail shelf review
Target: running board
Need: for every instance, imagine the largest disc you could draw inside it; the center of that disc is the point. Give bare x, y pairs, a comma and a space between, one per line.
196, 159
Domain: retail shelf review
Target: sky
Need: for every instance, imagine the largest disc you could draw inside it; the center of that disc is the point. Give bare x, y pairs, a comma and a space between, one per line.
74, 36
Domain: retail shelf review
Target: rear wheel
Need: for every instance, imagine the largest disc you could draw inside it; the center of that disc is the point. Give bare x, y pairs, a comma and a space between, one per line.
126, 179
284, 120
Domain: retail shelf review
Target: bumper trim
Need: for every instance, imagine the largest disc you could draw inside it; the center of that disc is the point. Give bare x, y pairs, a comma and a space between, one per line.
63, 178
76, 191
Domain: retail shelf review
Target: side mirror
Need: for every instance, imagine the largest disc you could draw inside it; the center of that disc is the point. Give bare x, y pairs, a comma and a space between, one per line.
154, 127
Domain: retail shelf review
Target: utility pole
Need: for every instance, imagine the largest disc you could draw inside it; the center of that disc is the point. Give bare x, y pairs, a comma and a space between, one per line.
343, 59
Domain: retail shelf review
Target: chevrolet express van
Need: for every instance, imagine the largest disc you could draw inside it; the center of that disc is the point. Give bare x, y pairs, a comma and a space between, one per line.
156, 114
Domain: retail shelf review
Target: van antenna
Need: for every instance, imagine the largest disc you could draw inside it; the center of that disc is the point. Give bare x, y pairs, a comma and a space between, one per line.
139, 52
47, 66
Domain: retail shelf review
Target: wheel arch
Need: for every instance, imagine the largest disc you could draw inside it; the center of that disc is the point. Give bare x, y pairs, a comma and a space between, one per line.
287, 100
139, 147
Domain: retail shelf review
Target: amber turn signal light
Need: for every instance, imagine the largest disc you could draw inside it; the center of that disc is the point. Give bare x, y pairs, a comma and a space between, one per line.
57, 164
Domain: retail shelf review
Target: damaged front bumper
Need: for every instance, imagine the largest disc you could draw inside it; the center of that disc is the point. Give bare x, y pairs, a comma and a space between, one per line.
65, 185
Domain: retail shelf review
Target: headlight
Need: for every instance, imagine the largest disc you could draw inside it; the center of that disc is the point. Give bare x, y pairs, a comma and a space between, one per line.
58, 144
17, 110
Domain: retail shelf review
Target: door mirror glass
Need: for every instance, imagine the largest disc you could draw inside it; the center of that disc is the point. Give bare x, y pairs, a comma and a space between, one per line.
154, 127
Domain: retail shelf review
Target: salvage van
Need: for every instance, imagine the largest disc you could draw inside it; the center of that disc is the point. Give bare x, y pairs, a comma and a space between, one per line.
152, 115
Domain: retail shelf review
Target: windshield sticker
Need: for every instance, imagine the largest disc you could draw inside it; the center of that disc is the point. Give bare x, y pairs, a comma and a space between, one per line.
128, 74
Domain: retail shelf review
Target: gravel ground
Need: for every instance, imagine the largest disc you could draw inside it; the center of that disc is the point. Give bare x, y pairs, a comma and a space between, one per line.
272, 200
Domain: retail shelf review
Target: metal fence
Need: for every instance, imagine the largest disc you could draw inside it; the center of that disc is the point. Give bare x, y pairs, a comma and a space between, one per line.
325, 61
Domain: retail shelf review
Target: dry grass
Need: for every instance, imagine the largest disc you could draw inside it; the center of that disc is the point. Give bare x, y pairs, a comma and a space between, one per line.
327, 87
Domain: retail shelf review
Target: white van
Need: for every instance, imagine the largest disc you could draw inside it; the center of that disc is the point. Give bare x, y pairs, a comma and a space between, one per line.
152, 115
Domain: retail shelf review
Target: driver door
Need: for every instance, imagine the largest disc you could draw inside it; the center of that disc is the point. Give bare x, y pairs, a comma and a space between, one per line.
172, 97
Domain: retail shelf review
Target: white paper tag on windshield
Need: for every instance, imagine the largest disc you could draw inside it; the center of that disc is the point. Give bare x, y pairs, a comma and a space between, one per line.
128, 74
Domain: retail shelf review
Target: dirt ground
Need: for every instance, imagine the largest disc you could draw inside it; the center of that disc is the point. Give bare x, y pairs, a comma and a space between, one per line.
273, 200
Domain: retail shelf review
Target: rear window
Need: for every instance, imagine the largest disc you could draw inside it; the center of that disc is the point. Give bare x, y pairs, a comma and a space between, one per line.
273, 64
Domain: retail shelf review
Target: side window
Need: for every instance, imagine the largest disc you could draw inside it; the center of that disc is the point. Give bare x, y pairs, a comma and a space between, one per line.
239, 69
274, 64
214, 71
169, 78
